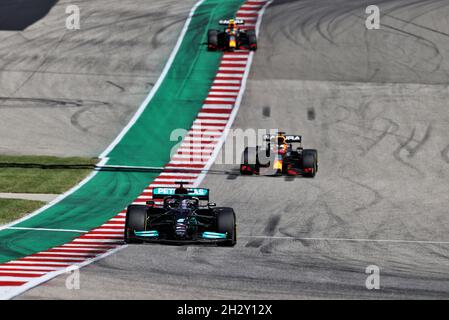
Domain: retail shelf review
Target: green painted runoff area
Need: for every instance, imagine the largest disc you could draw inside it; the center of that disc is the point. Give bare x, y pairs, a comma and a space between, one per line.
147, 143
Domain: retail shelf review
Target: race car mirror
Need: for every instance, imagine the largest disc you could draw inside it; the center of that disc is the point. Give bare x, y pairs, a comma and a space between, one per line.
150, 203
212, 204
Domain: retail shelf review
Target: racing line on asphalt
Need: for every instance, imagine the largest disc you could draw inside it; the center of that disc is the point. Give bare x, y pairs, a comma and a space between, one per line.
194, 156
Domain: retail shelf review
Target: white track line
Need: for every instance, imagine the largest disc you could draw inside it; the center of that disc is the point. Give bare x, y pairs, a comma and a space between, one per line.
346, 240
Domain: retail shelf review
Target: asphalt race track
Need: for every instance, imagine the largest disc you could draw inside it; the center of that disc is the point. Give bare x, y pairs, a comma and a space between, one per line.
374, 103
70, 92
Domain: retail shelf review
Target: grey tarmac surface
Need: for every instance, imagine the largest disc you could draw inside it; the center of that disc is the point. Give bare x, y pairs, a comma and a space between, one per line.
70, 92
374, 104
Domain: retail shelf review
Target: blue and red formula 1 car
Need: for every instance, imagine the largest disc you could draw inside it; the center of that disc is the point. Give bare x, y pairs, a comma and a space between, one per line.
232, 37
278, 157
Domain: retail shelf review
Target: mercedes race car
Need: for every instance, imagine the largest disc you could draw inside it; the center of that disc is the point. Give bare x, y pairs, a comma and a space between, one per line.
232, 37
278, 157
185, 216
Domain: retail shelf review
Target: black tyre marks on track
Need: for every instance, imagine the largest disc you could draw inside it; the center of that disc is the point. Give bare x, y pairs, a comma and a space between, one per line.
269, 231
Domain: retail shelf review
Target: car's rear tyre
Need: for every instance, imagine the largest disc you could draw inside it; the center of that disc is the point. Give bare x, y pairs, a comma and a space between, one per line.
136, 219
249, 163
226, 224
212, 40
310, 162
252, 40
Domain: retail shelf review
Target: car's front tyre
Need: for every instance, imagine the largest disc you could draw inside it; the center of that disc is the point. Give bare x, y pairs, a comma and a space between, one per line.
310, 162
136, 219
226, 224
252, 40
249, 163
212, 40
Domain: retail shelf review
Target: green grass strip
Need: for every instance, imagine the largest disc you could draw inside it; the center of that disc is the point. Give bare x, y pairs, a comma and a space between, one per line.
38, 174
12, 209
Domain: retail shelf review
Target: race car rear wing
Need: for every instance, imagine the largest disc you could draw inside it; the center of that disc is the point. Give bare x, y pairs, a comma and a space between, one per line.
288, 138
200, 193
226, 22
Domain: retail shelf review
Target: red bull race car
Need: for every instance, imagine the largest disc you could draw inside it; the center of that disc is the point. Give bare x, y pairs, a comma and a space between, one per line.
185, 216
232, 37
279, 157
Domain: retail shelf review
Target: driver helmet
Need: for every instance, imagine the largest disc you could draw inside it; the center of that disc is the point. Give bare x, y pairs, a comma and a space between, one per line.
281, 145
173, 203
185, 204
280, 140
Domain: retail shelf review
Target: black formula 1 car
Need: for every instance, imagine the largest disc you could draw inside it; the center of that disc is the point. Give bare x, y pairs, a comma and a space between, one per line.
182, 218
278, 157
232, 37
